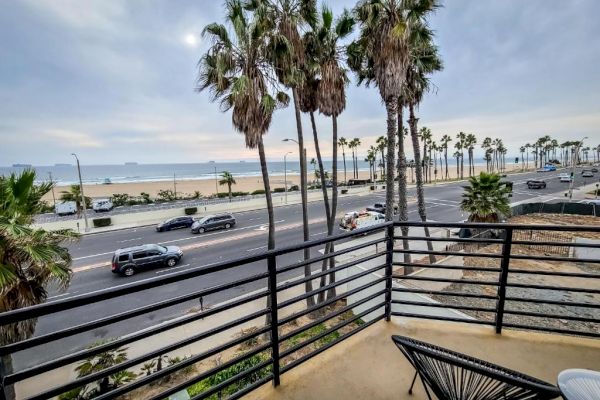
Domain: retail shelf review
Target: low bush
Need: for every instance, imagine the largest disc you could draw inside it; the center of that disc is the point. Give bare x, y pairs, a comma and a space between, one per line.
119, 199
259, 191
278, 190
100, 222
190, 210
294, 188
372, 187
344, 191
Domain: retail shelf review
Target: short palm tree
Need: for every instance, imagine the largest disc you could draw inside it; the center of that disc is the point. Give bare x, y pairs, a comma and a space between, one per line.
444, 145
31, 259
228, 180
470, 142
486, 198
460, 146
342, 142
74, 194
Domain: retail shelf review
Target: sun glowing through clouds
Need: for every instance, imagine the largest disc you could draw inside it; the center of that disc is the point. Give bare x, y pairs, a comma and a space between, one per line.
191, 40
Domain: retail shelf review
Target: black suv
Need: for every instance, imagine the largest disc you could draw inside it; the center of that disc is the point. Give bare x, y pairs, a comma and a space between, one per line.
536, 184
175, 223
130, 260
211, 222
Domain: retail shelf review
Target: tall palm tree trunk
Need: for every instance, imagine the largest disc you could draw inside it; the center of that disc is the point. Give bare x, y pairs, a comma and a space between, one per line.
402, 201
462, 165
391, 106
446, 160
334, 198
303, 185
344, 157
6, 368
412, 123
229, 187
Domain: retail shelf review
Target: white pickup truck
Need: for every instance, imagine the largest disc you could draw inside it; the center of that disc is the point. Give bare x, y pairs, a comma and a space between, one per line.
65, 208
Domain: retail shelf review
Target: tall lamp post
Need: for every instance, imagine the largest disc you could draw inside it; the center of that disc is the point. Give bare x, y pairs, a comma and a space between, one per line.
285, 174
52, 182
574, 161
216, 184
303, 150
81, 191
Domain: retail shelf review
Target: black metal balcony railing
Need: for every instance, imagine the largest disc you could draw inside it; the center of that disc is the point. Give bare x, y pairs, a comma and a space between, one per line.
372, 291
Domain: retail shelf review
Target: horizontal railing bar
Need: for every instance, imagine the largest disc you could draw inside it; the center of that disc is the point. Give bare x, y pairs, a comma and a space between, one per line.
553, 302
206, 374
327, 287
297, 282
104, 294
241, 393
431, 279
448, 253
49, 337
328, 317
335, 299
329, 255
451, 319
439, 292
334, 328
449, 239
553, 316
443, 305
316, 352
444, 266
550, 329
550, 258
59, 362
546, 287
500, 226
235, 378
554, 273
557, 244
147, 379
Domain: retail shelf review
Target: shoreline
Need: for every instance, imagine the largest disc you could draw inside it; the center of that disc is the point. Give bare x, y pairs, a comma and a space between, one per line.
206, 187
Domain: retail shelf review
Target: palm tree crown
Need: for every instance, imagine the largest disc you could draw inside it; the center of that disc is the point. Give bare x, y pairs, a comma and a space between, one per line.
486, 198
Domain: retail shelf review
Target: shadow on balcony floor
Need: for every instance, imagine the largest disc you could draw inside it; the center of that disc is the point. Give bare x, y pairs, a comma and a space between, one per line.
369, 366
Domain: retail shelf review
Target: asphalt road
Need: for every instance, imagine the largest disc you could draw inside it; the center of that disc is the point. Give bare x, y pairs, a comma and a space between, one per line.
92, 255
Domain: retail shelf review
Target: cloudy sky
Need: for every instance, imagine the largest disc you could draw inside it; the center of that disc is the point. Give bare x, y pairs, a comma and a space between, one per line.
113, 80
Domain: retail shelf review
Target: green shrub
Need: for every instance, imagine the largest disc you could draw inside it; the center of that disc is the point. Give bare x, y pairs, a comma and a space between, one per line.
236, 194
119, 199
278, 190
145, 197
190, 210
100, 222
344, 191
259, 191
294, 188
166, 195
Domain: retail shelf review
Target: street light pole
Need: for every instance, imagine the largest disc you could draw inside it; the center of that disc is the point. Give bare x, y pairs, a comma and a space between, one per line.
81, 191
52, 182
573, 162
285, 174
216, 183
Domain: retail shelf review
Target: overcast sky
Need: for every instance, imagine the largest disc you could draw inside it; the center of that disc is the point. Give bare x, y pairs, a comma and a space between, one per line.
113, 80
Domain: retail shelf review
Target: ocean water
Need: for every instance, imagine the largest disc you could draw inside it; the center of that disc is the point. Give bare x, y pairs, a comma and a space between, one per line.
65, 174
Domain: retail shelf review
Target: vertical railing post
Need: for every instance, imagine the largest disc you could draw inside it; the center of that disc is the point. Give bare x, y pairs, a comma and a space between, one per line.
389, 258
272, 283
504, 264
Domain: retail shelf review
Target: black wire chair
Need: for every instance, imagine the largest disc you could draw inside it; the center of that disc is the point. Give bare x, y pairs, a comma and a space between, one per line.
456, 376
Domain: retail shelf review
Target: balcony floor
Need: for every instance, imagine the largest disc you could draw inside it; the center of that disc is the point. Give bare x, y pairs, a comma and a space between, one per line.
369, 366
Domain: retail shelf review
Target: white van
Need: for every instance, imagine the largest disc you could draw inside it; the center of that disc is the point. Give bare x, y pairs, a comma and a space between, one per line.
102, 205
66, 208
357, 220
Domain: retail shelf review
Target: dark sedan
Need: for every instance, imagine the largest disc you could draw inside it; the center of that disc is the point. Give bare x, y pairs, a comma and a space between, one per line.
536, 184
175, 223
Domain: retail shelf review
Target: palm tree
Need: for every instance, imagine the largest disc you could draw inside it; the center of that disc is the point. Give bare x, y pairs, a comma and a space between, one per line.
433, 148
356, 143
527, 147
460, 146
373, 151
445, 140
74, 194
326, 56
470, 142
486, 198
381, 146
522, 150
352, 146
370, 158
486, 145
381, 55
425, 135
228, 180
313, 162
31, 259
342, 142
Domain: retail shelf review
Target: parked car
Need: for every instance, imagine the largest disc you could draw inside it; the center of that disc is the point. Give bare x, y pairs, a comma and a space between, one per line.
587, 174
65, 208
380, 208
542, 170
550, 167
212, 222
565, 178
594, 169
102, 205
357, 220
175, 223
536, 184
131, 260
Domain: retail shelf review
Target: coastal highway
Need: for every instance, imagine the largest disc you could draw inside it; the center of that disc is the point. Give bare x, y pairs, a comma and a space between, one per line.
92, 255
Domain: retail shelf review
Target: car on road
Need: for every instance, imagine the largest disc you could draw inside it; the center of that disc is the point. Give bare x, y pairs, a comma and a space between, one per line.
212, 222
103, 205
131, 260
586, 173
594, 202
536, 184
380, 208
175, 223
65, 208
565, 178
550, 167
357, 220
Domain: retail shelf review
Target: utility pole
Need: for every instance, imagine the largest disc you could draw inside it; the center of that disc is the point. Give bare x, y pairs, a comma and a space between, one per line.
174, 186
285, 174
216, 183
574, 162
52, 182
87, 228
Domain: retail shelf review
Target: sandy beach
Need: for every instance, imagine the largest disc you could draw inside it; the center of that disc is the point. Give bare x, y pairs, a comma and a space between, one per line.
207, 186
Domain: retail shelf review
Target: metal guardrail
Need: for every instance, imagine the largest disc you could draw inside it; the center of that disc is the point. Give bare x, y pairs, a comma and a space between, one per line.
380, 297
